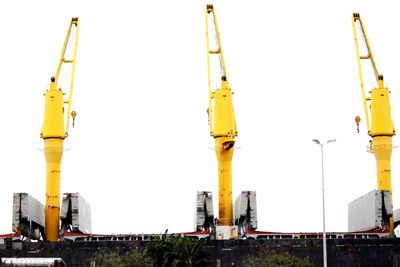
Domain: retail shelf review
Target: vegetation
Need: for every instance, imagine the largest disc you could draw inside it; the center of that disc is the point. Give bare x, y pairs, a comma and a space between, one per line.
267, 258
177, 251
162, 251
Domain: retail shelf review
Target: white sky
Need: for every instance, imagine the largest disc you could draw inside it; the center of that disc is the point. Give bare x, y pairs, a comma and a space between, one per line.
140, 148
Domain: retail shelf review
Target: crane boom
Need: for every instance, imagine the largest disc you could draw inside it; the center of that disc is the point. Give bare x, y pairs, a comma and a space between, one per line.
378, 115
54, 130
222, 122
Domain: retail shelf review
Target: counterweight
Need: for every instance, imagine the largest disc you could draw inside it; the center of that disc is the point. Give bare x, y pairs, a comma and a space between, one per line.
54, 131
222, 122
377, 115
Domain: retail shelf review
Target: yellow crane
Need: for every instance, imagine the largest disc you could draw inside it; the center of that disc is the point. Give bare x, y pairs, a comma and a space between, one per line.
377, 115
54, 131
222, 122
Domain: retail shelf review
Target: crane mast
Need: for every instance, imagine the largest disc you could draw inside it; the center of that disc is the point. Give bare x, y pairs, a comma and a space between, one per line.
54, 130
222, 122
377, 115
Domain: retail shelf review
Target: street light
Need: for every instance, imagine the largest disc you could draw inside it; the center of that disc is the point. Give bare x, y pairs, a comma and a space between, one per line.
323, 197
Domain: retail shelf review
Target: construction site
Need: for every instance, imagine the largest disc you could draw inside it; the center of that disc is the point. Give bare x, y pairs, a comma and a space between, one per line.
311, 176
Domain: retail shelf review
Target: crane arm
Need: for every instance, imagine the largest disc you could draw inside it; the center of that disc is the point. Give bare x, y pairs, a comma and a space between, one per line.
220, 111
210, 14
358, 22
75, 22
73, 29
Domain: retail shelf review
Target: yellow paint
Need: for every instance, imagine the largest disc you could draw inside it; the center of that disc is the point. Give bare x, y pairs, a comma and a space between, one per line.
53, 123
382, 148
224, 152
54, 131
222, 126
378, 116
381, 117
53, 151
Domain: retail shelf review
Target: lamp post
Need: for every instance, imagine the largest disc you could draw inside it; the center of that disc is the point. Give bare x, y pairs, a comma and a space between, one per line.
323, 197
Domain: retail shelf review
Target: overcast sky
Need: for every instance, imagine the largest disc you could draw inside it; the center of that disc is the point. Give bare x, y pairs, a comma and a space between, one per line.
141, 148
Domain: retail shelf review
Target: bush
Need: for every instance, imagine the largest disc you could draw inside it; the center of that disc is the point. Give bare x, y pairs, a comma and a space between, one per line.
178, 251
162, 251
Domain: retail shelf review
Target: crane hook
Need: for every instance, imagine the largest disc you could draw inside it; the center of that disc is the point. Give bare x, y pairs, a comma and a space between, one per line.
73, 115
358, 119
